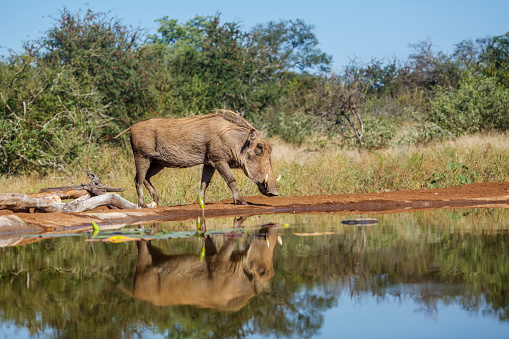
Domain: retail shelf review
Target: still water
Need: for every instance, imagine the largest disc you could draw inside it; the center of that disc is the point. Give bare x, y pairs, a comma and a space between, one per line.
432, 274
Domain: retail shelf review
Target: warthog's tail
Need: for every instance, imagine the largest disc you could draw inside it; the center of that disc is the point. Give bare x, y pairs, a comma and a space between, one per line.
122, 133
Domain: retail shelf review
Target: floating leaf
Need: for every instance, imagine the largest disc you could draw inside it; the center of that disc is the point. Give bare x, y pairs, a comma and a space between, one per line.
117, 239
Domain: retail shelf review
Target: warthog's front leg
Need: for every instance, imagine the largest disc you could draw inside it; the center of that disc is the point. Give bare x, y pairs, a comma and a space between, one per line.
226, 173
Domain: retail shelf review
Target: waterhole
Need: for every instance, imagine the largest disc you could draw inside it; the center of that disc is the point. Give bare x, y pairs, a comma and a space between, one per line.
430, 274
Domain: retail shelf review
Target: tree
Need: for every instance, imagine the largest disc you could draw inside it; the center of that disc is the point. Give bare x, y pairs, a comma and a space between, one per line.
68, 88
291, 45
107, 58
212, 65
338, 106
495, 57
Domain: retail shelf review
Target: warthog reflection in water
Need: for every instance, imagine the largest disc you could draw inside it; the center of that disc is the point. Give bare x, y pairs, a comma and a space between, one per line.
223, 280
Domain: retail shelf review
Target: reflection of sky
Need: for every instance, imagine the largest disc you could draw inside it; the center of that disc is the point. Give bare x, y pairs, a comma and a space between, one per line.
370, 317
7, 330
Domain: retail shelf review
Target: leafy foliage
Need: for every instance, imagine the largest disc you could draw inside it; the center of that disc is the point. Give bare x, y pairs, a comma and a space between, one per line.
214, 65
106, 57
495, 57
479, 104
455, 174
46, 120
337, 104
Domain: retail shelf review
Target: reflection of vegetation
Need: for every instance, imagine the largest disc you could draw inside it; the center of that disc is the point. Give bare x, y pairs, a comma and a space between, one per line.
456, 257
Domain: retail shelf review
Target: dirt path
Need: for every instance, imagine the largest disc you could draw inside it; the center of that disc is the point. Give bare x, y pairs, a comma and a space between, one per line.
494, 194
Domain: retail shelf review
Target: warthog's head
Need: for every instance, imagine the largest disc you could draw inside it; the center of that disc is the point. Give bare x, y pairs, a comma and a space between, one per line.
258, 263
257, 164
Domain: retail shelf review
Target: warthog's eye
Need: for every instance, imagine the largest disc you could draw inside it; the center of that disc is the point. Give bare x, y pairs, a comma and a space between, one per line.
261, 271
259, 149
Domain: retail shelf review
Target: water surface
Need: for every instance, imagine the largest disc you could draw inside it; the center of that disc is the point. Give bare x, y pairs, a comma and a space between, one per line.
432, 274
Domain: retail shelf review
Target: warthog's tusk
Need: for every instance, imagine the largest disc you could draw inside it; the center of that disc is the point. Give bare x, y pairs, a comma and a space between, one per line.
279, 240
278, 178
266, 182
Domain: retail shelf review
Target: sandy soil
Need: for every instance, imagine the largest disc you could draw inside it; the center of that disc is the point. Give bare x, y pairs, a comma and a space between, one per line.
484, 195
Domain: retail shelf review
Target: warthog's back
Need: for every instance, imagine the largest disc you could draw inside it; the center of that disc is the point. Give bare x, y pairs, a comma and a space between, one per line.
182, 142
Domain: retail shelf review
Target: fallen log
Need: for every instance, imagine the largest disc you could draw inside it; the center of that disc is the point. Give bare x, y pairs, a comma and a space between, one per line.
23, 203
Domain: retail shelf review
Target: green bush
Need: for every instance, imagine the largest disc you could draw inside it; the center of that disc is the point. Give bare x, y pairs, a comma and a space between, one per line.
378, 132
47, 120
423, 133
292, 128
455, 174
478, 105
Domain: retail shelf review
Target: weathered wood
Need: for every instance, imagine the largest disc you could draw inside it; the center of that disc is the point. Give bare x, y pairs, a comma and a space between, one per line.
62, 195
23, 203
94, 187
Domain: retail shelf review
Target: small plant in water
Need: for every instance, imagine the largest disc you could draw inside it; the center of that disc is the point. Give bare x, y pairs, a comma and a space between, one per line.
198, 225
96, 228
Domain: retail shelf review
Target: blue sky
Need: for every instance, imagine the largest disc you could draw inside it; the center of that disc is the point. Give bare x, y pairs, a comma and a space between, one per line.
349, 29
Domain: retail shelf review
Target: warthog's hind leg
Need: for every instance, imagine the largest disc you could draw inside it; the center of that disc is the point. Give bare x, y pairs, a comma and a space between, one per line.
207, 173
142, 165
154, 168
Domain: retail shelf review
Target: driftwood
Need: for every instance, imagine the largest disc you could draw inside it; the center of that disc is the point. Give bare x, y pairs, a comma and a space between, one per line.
58, 196
23, 203
87, 197
94, 187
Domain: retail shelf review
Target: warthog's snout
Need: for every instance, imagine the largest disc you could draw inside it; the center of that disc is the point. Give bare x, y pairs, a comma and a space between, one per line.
269, 186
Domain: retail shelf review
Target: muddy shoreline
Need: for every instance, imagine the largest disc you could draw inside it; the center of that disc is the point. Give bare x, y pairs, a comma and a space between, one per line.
477, 195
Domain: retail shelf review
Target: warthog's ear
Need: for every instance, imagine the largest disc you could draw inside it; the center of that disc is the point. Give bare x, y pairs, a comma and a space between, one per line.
250, 138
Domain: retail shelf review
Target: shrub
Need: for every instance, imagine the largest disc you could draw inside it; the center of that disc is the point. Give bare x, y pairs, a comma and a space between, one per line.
478, 105
292, 128
378, 132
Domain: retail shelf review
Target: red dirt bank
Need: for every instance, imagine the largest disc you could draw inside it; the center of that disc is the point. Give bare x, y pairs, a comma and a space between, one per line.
494, 194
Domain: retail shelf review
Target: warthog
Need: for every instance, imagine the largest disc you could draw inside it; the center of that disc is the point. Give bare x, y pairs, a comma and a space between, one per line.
220, 141
223, 280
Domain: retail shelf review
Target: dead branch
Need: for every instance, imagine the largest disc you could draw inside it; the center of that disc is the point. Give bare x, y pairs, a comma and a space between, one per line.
94, 187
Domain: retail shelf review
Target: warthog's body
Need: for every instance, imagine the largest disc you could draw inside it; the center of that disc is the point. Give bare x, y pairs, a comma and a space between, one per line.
219, 141
223, 280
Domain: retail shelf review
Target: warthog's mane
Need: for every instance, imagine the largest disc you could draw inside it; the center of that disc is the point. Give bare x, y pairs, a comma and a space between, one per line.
233, 117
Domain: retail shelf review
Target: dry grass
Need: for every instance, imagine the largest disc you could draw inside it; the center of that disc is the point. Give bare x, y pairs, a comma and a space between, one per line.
306, 170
